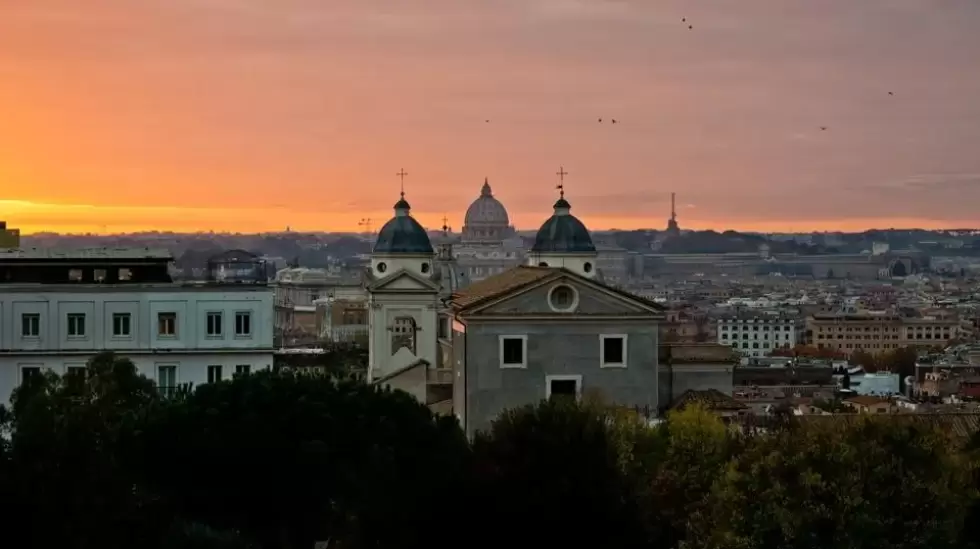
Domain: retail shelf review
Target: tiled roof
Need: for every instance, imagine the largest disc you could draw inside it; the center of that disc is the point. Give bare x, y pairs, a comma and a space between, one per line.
712, 399
866, 400
499, 284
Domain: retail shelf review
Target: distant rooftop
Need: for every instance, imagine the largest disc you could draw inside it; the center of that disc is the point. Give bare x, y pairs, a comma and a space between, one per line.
86, 253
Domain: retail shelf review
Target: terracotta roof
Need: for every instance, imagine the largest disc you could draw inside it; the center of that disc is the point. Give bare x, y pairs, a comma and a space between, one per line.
866, 400
505, 282
712, 399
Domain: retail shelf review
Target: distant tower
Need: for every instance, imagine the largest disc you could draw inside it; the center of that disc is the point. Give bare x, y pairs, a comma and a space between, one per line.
672, 228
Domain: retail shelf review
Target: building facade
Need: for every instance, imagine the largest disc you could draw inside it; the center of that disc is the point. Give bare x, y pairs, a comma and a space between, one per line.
758, 334
878, 332
122, 301
550, 329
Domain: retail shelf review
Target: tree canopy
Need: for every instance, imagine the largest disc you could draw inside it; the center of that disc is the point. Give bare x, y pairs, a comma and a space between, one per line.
276, 460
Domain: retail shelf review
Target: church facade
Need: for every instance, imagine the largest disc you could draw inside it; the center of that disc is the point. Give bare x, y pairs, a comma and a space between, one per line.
547, 329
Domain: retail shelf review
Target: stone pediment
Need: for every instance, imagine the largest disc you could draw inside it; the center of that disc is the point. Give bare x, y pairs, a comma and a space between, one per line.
590, 299
403, 281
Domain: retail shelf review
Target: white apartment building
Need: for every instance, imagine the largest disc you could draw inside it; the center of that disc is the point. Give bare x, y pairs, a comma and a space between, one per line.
59, 309
757, 335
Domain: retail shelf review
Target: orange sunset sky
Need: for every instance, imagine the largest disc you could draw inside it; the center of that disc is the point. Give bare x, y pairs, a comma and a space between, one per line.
251, 115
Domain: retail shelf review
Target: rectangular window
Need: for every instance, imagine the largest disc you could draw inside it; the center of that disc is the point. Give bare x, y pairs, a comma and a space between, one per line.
75, 275
513, 351
76, 325
214, 324
613, 349
243, 369
28, 373
121, 325
125, 274
563, 387
30, 325
243, 324
99, 275
167, 324
167, 380
214, 374
75, 373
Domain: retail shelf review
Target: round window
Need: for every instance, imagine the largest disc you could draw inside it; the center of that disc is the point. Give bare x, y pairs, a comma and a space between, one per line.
543, 264
562, 298
587, 267
382, 267
425, 267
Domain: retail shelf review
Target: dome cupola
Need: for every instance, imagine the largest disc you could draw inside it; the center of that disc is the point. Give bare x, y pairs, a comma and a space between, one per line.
402, 234
563, 240
402, 243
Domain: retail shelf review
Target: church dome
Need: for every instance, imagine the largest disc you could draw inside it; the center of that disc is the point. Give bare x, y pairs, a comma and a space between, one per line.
402, 234
486, 210
563, 233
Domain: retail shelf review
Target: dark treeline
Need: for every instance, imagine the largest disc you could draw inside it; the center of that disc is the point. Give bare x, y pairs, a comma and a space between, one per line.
280, 461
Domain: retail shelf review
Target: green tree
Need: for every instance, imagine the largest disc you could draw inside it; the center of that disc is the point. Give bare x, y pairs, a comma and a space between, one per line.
697, 451
876, 482
558, 473
65, 446
289, 459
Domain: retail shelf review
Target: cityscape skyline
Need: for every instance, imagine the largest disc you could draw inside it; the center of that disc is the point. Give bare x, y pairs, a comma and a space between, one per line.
241, 116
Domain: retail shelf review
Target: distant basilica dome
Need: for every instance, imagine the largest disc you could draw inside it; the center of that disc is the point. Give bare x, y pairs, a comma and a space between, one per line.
486, 219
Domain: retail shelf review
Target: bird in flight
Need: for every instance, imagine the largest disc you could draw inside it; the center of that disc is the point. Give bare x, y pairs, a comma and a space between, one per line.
613, 120
823, 128
600, 120
891, 93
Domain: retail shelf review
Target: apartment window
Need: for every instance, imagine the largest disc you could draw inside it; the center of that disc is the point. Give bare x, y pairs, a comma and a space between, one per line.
75, 372
99, 275
29, 373
214, 324
76, 325
75, 275
243, 324
613, 349
563, 387
243, 369
167, 324
121, 325
214, 374
167, 380
30, 325
513, 351
125, 274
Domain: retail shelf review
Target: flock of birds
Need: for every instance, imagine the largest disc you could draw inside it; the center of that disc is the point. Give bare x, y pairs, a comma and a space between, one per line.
690, 27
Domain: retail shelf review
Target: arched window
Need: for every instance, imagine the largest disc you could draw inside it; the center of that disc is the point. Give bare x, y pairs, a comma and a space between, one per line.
403, 334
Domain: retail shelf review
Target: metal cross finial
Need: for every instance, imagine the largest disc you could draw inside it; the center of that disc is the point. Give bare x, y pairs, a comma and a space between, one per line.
561, 181
445, 224
401, 175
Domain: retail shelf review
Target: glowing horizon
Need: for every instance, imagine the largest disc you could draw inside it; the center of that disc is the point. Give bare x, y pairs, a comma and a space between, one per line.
247, 116
353, 223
